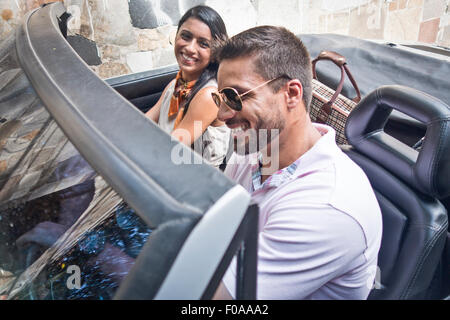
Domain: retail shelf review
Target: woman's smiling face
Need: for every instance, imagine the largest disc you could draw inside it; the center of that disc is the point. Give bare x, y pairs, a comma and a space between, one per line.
193, 48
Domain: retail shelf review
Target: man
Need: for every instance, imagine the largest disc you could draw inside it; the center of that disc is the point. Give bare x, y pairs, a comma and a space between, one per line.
320, 223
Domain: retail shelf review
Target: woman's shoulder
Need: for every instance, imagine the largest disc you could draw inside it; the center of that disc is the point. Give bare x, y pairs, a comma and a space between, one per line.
203, 97
212, 83
208, 88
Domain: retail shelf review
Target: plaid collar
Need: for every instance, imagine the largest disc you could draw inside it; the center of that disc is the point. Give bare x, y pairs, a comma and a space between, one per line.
276, 179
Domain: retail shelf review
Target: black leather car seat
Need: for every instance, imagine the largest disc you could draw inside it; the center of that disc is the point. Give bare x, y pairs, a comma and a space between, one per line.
407, 184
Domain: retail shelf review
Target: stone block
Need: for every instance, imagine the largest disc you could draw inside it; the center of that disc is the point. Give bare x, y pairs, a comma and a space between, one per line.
428, 30
140, 61
110, 52
75, 8
152, 14
146, 44
393, 5
402, 4
368, 21
151, 34
173, 35
415, 3
339, 21
165, 31
238, 15
313, 4
112, 69
323, 23
163, 57
311, 21
112, 23
151, 39
445, 19
403, 25
433, 9
445, 39
287, 15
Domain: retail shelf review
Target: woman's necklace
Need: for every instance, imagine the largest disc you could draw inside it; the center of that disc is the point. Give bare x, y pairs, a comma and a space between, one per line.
183, 87
184, 83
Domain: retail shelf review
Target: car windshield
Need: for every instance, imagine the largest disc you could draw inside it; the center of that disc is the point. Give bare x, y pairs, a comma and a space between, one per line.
102, 230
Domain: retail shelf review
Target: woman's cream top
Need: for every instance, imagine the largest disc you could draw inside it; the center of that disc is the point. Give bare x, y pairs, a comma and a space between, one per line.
213, 144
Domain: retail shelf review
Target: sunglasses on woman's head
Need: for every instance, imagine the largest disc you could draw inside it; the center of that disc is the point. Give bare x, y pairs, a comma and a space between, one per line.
232, 98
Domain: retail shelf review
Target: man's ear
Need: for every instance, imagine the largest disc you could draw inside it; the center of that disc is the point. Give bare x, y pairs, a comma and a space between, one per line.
293, 93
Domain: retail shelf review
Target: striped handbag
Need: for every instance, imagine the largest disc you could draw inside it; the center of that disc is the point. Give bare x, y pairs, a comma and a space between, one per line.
329, 106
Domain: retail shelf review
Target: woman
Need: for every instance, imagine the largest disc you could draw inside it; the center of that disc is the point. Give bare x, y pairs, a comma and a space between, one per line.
186, 109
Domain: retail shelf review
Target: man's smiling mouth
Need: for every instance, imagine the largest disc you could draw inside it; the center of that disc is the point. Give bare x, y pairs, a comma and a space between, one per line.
238, 129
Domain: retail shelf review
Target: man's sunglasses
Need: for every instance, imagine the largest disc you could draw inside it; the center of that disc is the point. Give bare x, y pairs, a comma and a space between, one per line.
232, 98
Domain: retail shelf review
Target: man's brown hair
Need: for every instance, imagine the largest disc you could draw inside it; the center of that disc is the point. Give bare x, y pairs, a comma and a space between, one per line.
276, 52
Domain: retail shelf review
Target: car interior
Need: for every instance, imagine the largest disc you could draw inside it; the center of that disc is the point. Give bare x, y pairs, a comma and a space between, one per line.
415, 237
415, 222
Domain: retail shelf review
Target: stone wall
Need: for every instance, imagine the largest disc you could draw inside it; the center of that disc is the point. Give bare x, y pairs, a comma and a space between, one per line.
426, 21
135, 35
127, 35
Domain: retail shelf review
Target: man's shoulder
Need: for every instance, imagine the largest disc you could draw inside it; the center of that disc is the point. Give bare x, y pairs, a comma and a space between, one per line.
355, 196
352, 187
340, 187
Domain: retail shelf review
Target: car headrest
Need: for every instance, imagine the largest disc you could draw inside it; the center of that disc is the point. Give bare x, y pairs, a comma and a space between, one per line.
427, 170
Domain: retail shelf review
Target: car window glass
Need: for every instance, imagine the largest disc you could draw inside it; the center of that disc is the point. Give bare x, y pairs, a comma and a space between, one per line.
63, 230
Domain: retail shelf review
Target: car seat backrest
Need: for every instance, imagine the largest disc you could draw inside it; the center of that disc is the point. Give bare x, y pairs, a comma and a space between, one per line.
407, 184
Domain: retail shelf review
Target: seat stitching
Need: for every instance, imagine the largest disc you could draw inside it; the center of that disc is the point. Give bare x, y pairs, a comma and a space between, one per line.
425, 253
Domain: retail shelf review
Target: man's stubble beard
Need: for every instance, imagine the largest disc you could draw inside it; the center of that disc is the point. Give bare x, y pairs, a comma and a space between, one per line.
262, 136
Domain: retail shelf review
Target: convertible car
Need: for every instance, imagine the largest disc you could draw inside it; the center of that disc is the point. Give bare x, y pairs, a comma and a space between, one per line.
70, 141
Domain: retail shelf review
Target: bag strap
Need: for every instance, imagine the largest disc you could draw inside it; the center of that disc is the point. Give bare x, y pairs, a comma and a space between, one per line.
338, 60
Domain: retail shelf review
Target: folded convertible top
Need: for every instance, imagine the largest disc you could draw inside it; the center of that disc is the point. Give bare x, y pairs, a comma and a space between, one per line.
375, 64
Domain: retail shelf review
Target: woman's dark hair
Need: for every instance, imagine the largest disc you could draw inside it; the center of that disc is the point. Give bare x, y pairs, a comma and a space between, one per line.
212, 19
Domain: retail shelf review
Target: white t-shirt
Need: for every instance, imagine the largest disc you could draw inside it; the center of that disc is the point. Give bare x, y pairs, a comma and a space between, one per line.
319, 226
